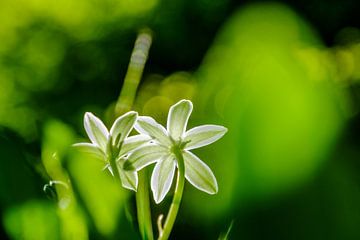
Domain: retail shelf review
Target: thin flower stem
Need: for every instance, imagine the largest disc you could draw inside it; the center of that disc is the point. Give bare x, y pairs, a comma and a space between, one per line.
125, 103
143, 206
180, 182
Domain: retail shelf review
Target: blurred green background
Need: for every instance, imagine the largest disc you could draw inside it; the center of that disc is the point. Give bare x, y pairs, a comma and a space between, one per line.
284, 77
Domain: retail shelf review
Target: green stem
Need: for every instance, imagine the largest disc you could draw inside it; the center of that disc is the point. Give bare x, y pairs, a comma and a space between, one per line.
125, 103
174, 208
143, 206
134, 72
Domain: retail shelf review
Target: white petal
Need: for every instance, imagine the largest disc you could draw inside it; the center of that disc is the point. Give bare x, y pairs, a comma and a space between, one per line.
148, 126
107, 167
129, 179
178, 117
203, 135
123, 125
162, 177
143, 156
91, 149
133, 142
96, 130
199, 174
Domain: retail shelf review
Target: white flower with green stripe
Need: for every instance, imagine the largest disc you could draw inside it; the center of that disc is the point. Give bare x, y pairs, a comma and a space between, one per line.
168, 143
113, 146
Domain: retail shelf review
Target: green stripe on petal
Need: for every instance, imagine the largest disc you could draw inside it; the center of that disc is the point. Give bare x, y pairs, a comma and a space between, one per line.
199, 174
178, 118
123, 125
144, 156
133, 142
129, 179
162, 177
148, 126
203, 135
96, 130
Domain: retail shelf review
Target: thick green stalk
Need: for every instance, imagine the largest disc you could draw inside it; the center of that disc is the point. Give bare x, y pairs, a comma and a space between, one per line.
174, 208
134, 72
124, 103
143, 206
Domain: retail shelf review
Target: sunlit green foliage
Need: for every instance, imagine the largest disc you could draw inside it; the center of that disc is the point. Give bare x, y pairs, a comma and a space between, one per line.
288, 167
283, 117
36, 39
44, 223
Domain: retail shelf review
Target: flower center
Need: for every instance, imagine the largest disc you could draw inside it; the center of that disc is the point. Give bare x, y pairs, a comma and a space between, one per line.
178, 145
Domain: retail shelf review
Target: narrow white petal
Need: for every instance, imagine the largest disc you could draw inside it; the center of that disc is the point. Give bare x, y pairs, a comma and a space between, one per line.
91, 149
178, 118
96, 130
110, 169
199, 174
203, 135
162, 177
123, 125
107, 167
144, 156
133, 142
129, 179
148, 126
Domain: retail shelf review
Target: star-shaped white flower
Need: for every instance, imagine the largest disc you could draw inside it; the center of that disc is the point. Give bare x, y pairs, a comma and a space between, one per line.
114, 144
174, 138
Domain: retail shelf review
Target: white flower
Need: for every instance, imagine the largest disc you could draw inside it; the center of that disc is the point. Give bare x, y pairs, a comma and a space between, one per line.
115, 144
164, 144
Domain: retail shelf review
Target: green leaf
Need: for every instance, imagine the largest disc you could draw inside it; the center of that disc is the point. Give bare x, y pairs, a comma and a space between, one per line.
225, 236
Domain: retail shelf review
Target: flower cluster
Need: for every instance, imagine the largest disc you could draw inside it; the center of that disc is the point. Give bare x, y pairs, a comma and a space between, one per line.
154, 144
